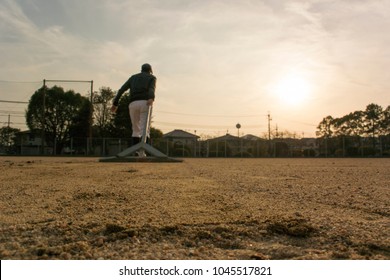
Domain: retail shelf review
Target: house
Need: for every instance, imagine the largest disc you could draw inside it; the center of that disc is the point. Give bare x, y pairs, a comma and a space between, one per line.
180, 134
233, 146
223, 146
30, 143
181, 143
251, 137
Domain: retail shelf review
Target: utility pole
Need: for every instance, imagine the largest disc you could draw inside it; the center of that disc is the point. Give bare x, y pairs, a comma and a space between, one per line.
269, 133
90, 119
276, 131
269, 126
91, 112
43, 118
9, 131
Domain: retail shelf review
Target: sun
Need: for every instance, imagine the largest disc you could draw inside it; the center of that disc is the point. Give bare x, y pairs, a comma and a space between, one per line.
292, 89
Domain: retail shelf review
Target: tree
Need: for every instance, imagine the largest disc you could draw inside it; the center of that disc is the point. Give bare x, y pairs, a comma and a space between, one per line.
155, 133
349, 125
121, 125
325, 131
373, 119
348, 130
81, 121
386, 121
326, 127
57, 112
8, 138
102, 114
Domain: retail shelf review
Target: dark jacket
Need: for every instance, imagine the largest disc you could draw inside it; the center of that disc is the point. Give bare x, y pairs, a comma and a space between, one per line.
142, 87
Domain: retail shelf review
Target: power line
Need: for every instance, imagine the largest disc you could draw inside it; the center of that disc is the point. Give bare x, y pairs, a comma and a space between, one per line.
69, 81
206, 115
202, 125
293, 121
11, 112
15, 116
15, 102
20, 82
14, 123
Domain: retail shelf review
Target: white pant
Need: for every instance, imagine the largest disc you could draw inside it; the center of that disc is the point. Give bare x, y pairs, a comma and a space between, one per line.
139, 114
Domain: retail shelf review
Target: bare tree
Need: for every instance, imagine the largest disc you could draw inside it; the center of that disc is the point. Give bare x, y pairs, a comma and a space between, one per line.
102, 105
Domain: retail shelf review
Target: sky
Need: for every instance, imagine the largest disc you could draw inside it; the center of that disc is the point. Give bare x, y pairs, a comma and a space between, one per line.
217, 63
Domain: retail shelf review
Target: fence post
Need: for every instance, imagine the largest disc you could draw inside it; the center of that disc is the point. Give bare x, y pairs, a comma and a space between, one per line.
344, 153
104, 147
241, 147
195, 147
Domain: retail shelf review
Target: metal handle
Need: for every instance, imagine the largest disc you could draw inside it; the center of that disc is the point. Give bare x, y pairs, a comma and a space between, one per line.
147, 124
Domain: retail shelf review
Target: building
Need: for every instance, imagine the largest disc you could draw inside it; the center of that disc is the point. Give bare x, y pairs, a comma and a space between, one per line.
30, 143
179, 143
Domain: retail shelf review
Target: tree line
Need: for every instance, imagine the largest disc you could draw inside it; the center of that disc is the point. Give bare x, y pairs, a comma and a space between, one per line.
361, 132
62, 115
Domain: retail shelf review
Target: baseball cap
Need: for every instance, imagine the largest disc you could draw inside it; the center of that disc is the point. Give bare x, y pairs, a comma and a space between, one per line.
146, 68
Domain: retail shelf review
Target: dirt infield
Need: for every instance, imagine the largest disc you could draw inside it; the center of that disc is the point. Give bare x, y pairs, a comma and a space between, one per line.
79, 208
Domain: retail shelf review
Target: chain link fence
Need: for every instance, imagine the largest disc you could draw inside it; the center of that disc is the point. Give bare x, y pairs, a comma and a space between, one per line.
172, 147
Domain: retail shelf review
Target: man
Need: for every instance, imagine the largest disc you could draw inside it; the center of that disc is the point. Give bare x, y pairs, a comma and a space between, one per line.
142, 87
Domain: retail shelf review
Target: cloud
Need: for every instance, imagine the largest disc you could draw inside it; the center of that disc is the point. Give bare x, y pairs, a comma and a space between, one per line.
221, 56
41, 51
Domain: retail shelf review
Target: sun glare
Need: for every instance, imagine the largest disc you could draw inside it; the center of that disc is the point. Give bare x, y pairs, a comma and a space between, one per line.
292, 90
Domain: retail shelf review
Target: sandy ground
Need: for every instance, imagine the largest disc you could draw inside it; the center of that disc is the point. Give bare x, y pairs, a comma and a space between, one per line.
79, 208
